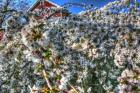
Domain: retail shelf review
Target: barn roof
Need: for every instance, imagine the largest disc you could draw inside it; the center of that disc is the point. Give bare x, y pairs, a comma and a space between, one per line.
38, 1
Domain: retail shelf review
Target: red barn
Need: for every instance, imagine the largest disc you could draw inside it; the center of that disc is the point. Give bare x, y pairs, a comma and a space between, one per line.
45, 8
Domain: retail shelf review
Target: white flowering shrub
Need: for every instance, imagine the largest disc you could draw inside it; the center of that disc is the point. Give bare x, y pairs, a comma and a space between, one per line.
94, 52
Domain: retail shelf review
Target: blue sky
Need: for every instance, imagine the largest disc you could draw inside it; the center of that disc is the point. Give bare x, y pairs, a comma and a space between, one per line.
96, 3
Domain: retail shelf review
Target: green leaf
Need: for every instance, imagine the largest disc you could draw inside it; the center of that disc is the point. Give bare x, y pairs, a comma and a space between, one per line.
48, 53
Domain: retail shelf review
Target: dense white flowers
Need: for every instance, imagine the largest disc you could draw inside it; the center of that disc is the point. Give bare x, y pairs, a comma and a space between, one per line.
79, 53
